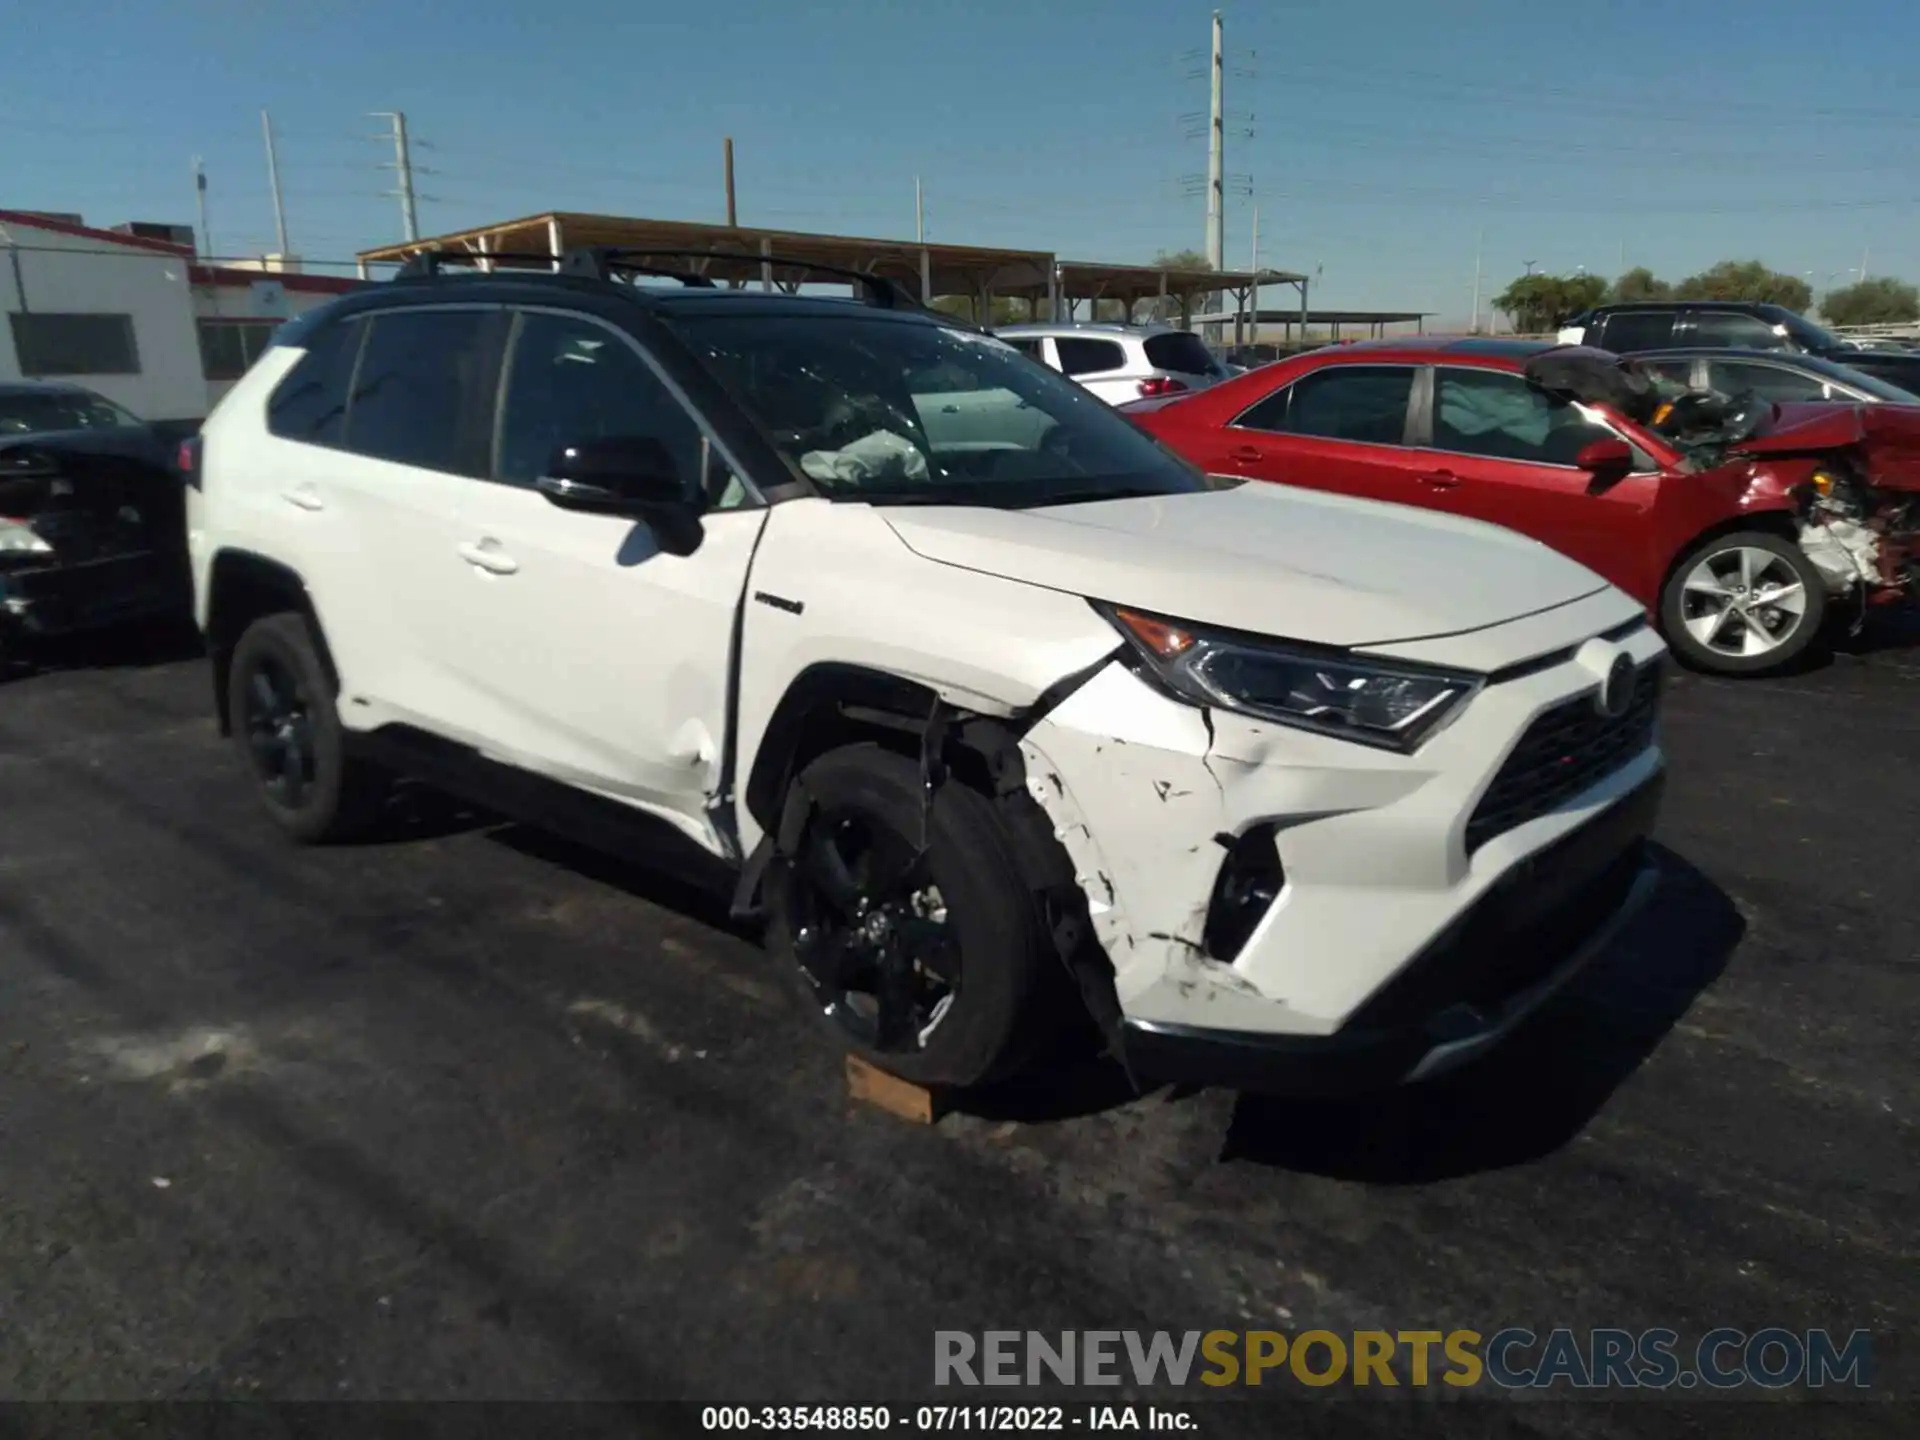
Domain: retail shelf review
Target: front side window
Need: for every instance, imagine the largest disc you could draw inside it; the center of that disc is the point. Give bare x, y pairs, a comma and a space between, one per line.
570, 380
50, 344
1736, 331
1769, 382
1366, 404
422, 392
896, 411
1500, 416
1081, 356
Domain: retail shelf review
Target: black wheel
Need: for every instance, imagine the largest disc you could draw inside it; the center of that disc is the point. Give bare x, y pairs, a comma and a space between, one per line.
924, 962
1743, 604
281, 711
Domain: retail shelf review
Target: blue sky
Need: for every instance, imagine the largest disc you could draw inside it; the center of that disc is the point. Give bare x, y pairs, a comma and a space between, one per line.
1388, 135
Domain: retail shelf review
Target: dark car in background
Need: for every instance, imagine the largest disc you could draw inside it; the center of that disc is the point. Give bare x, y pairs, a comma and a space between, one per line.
1777, 375
1630, 329
92, 517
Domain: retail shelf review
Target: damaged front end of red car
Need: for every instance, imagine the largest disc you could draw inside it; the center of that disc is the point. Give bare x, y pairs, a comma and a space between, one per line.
1858, 506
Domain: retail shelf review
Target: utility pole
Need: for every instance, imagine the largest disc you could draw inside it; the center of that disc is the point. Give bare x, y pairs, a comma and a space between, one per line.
1253, 264
733, 215
1216, 158
1863, 264
403, 168
200, 200
919, 213
1530, 264
1479, 247
273, 181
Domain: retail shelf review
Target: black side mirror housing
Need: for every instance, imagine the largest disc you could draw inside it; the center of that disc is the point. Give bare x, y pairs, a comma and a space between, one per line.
630, 475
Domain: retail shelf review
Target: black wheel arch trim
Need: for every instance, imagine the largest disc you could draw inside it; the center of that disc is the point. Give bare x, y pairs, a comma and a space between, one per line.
238, 581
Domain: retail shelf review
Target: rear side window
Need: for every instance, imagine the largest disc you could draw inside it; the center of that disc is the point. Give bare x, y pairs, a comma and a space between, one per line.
1080, 356
310, 404
1625, 331
1182, 352
422, 394
1364, 403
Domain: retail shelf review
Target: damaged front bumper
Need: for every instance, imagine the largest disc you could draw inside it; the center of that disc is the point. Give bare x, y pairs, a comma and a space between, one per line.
1405, 936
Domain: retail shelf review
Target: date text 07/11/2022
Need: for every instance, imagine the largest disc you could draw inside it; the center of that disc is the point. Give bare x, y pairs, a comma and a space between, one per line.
938, 1418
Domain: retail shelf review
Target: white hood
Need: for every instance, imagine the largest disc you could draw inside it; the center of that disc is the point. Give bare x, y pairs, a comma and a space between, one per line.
1269, 559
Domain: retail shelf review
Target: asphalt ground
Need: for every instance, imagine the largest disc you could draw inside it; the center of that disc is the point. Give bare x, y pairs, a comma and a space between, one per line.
470, 1114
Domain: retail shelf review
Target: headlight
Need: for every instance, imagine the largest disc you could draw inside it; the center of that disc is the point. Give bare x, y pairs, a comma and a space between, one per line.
1374, 702
17, 539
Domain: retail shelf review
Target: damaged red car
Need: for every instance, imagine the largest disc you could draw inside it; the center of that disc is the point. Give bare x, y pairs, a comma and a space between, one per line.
1743, 526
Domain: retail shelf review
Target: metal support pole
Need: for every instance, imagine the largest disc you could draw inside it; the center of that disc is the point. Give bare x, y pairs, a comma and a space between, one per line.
766, 266
919, 213
733, 215
200, 200
273, 182
926, 276
1053, 292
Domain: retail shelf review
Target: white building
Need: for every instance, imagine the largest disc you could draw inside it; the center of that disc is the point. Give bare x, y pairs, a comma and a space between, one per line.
137, 318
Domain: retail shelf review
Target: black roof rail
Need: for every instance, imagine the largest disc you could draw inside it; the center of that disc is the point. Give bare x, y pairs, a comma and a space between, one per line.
424, 264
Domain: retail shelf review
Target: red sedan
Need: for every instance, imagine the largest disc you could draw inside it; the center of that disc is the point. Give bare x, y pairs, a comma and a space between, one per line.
1736, 541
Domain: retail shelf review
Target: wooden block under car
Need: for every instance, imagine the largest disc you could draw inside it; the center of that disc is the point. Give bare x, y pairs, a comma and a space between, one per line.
892, 1094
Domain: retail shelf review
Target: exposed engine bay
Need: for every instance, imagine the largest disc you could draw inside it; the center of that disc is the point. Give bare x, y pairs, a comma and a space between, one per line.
1852, 472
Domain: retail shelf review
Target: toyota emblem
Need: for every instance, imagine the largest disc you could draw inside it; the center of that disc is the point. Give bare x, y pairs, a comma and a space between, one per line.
1616, 691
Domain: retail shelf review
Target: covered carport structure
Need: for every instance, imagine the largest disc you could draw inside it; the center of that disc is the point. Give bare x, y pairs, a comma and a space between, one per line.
1374, 321
744, 255
1184, 288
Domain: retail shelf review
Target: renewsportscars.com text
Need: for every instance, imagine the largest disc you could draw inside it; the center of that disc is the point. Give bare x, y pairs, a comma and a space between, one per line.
1512, 1358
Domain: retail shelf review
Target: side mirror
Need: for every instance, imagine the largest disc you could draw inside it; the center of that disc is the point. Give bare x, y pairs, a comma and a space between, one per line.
630, 475
1607, 458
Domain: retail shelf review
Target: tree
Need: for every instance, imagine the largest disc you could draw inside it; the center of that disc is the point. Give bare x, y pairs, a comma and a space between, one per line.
1181, 260
1883, 301
1639, 284
1746, 280
1167, 310
1538, 303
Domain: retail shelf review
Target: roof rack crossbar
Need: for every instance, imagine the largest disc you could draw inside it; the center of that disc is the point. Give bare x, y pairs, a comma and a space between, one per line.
879, 289
598, 262
424, 264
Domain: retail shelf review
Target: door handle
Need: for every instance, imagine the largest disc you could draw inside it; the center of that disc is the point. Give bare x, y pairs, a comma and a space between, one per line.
487, 555
1441, 480
303, 497
1246, 452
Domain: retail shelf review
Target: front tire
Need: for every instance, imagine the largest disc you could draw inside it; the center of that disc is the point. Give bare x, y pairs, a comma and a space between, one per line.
280, 708
926, 965
1747, 603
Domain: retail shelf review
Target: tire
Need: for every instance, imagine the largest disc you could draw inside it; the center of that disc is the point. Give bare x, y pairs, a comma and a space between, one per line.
989, 938
320, 795
1763, 561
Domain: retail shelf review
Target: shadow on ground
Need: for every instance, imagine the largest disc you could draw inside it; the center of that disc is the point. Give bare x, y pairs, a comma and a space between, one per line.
1539, 1089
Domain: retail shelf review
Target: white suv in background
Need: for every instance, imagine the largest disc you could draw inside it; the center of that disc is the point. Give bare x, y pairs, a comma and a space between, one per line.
1122, 363
983, 698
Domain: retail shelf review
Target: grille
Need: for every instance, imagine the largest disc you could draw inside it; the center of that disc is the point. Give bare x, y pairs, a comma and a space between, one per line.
1564, 751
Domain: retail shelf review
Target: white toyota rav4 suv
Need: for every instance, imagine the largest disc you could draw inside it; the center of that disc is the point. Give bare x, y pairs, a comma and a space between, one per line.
975, 689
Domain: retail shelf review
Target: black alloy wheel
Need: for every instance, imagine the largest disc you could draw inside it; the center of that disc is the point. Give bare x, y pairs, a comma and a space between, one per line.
871, 932
279, 721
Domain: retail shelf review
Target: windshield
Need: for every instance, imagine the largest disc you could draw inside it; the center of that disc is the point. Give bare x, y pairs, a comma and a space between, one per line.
872, 408
34, 412
1804, 332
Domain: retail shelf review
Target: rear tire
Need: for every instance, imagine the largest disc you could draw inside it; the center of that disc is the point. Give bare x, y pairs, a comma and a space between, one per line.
1747, 603
280, 708
852, 908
